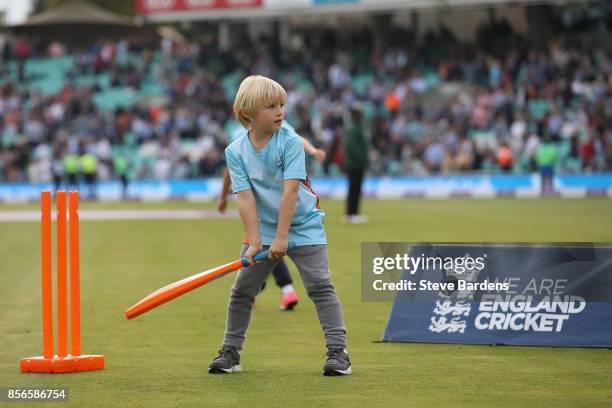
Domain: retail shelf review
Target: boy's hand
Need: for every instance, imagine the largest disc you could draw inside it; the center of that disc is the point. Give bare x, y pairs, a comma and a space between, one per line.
320, 155
222, 206
254, 249
278, 249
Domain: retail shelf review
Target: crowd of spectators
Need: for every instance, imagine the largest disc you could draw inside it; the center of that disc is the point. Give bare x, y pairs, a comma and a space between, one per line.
432, 105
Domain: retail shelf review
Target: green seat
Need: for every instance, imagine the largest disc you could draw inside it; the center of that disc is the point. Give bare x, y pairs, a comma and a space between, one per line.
230, 83
360, 83
431, 79
111, 99
538, 108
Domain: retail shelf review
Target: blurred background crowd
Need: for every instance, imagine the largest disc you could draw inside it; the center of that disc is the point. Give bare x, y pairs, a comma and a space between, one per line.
160, 107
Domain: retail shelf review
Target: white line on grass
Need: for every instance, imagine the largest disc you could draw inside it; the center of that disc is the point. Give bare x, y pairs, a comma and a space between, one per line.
12, 216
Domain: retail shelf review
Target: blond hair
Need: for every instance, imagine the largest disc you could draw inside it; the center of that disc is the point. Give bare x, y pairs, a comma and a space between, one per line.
255, 93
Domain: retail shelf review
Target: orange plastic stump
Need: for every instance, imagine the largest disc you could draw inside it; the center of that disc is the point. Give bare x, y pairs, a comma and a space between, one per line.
62, 362
58, 365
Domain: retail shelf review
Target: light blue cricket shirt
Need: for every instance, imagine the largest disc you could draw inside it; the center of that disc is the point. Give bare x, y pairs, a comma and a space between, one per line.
264, 171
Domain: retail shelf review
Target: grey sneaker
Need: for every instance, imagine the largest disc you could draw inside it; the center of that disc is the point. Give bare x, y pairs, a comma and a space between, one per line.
337, 363
228, 361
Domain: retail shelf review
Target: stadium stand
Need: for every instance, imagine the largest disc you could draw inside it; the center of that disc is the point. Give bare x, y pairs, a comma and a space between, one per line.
431, 105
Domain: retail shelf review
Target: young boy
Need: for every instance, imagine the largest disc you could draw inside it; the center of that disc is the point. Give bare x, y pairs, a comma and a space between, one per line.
281, 274
277, 206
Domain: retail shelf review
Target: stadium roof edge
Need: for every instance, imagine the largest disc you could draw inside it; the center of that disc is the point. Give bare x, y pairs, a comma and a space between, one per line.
350, 8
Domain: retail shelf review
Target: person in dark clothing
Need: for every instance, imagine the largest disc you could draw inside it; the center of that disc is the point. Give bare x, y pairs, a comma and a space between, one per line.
355, 163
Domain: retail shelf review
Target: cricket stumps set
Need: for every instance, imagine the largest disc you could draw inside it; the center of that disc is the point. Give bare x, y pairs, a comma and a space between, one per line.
62, 362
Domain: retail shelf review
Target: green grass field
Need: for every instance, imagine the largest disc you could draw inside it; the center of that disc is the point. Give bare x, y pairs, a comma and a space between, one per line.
160, 359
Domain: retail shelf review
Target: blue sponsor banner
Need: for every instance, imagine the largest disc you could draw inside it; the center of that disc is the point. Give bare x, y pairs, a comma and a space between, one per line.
527, 294
326, 2
601, 181
477, 185
199, 189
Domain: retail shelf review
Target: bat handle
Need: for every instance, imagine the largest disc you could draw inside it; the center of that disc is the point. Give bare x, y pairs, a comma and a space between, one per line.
263, 255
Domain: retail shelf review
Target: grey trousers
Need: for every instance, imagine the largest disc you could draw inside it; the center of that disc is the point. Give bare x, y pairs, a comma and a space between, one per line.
311, 262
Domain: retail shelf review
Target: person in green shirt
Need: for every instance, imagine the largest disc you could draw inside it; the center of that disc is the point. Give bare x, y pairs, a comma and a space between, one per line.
546, 157
121, 165
72, 168
89, 164
355, 163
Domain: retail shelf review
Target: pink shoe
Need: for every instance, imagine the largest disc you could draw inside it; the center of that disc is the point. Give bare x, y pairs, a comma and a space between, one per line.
289, 301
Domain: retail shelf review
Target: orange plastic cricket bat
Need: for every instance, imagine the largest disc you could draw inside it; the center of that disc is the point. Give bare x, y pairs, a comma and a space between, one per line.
176, 289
